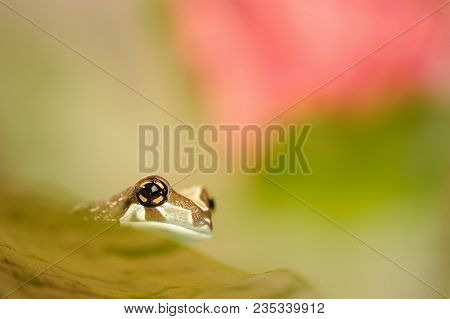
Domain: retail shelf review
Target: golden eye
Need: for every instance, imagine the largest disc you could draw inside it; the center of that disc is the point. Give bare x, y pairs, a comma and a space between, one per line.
152, 193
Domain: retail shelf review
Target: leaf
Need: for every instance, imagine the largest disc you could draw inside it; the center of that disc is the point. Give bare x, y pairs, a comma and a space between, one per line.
35, 231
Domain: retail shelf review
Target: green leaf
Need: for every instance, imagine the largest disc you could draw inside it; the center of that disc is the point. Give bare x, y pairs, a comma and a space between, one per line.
35, 231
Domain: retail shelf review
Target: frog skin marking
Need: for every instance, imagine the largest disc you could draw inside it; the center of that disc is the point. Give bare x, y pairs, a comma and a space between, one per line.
153, 204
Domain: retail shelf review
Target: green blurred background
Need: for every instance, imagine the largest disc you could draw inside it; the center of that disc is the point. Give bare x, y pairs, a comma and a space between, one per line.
383, 175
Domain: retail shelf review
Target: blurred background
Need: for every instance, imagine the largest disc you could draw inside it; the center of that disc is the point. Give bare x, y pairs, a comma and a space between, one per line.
379, 147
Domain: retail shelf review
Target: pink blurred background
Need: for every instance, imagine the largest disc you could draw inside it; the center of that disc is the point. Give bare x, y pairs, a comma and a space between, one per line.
254, 58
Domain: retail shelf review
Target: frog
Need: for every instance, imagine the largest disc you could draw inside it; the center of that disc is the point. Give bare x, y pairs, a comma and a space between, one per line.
152, 204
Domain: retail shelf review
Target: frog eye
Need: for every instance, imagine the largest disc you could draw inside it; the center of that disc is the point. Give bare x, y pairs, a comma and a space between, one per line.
211, 203
152, 193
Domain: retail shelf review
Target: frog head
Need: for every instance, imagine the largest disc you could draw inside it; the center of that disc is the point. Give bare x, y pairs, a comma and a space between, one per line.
154, 204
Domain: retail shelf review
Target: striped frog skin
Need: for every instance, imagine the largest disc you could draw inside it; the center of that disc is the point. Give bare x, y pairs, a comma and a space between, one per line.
153, 204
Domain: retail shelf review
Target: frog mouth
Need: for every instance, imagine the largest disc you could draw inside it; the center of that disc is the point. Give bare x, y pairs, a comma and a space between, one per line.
135, 217
172, 229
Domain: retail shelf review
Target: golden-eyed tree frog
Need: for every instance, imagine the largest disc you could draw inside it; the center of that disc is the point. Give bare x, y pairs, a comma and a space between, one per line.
153, 204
